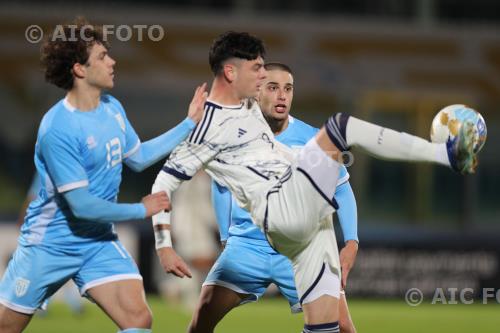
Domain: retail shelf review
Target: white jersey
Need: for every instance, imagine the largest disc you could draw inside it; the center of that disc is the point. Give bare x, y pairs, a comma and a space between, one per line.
287, 195
236, 147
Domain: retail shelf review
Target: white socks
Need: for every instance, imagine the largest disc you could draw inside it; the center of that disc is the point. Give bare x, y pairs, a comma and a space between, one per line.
388, 144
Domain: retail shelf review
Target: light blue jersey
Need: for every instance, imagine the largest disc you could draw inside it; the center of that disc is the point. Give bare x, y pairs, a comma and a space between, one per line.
78, 157
295, 136
77, 149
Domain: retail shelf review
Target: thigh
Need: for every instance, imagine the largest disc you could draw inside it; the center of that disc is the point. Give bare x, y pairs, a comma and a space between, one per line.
320, 302
295, 211
242, 268
111, 279
35, 273
322, 310
345, 321
123, 301
12, 321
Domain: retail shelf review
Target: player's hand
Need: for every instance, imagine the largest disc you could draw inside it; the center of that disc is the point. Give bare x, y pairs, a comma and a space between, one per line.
347, 259
172, 263
156, 202
197, 106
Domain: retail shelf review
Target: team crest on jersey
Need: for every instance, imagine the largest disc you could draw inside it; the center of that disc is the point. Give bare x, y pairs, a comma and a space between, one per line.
120, 120
22, 285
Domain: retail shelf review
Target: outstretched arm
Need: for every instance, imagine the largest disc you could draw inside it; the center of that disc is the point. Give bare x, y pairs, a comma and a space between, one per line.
155, 149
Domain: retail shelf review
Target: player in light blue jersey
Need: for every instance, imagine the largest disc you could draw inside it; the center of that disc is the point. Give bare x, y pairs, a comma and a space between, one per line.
68, 233
248, 263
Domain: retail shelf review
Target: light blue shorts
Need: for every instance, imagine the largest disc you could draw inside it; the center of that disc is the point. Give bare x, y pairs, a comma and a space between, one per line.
36, 272
249, 267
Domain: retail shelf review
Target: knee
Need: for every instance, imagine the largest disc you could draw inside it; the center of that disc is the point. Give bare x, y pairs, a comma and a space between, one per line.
347, 327
141, 318
192, 328
195, 327
202, 321
195, 324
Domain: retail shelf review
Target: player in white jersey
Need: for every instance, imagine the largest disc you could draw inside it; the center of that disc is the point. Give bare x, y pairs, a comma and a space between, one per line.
248, 264
68, 232
289, 198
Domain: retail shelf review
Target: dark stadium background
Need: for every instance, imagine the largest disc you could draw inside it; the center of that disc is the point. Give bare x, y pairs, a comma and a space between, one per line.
392, 62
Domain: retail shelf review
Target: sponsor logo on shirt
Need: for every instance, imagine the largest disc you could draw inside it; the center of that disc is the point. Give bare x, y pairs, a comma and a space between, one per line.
241, 132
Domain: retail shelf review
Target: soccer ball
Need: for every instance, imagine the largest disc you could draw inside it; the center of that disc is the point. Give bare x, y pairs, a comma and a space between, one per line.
447, 123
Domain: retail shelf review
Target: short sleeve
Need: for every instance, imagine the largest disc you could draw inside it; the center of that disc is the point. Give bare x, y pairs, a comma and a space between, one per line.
61, 154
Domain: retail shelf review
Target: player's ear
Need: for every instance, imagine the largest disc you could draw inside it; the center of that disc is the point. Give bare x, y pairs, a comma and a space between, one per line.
78, 70
229, 71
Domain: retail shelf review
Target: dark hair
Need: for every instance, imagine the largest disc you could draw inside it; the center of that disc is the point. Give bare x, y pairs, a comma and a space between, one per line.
234, 45
67, 45
278, 65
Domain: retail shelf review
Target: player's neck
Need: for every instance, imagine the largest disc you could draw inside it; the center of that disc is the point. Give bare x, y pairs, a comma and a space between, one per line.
277, 125
84, 99
223, 93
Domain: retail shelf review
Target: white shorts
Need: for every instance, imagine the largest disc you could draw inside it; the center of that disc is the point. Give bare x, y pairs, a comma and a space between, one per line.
298, 219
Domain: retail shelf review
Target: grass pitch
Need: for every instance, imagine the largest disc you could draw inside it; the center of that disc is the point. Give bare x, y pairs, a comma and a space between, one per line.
273, 315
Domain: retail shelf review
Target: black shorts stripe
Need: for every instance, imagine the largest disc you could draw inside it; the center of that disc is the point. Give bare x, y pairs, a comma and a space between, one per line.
275, 189
331, 201
257, 173
308, 291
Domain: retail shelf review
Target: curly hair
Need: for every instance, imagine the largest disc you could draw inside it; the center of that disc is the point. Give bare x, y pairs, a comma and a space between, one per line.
65, 46
234, 45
